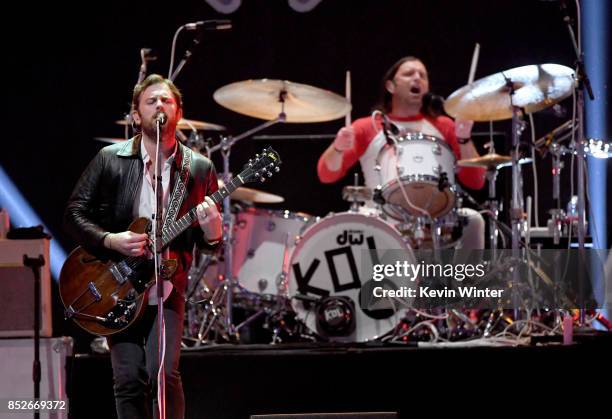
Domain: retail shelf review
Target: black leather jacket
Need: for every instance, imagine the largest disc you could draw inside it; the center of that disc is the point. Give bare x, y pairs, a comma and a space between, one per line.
103, 200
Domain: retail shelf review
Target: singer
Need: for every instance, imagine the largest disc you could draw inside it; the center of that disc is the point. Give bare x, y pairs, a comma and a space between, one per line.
118, 186
406, 107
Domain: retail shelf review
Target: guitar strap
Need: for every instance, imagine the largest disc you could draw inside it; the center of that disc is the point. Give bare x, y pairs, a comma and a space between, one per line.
179, 190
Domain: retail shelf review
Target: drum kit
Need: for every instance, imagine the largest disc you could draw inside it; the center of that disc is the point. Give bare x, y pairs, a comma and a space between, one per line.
300, 274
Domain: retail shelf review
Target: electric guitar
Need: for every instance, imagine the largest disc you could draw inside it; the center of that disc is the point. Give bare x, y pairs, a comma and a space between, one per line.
105, 297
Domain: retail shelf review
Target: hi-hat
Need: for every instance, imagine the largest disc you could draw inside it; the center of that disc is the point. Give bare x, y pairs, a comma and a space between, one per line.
356, 193
536, 87
190, 124
490, 161
266, 99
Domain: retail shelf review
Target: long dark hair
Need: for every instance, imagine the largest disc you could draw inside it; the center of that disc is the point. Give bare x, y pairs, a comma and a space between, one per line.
432, 104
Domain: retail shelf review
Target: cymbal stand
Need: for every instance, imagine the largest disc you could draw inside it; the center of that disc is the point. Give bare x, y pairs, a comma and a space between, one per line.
225, 147
491, 176
557, 215
517, 205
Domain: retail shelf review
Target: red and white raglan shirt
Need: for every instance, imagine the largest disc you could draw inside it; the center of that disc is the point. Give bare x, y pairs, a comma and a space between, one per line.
370, 139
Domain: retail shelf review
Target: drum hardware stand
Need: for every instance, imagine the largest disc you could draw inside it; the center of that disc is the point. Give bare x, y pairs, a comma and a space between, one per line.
583, 83
557, 215
213, 309
492, 205
225, 147
355, 204
516, 210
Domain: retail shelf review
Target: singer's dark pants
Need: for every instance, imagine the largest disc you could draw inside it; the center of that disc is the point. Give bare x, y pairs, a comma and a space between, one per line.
134, 358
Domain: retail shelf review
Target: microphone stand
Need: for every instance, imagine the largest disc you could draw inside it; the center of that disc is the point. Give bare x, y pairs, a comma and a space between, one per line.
145, 57
159, 280
188, 53
35, 264
582, 82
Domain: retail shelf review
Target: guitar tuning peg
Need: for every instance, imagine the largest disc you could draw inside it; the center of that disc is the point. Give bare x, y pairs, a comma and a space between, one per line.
257, 156
269, 174
256, 174
277, 169
272, 165
263, 179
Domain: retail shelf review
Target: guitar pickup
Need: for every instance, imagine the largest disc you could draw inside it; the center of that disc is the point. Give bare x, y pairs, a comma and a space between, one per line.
117, 274
94, 291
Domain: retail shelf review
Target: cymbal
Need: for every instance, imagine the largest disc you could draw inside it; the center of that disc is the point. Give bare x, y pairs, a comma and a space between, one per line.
536, 87
263, 99
253, 195
356, 193
189, 124
109, 140
490, 161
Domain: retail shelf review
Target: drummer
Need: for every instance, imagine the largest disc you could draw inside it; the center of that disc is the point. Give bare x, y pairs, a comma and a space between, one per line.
403, 89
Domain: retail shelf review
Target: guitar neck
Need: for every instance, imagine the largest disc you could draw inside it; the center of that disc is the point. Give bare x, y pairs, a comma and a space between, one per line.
176, 228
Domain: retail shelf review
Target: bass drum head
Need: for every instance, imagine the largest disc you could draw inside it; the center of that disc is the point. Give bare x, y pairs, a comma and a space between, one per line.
328, 268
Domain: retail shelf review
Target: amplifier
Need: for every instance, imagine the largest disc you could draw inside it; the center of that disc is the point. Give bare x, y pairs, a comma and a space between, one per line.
16, 359
17, 285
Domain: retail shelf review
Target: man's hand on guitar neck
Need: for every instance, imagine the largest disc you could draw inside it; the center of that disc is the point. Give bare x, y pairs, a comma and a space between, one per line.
210, 220
127, 243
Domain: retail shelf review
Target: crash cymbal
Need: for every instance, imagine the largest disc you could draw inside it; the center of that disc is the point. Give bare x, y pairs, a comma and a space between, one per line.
264, 98
190, 124
491, 160
253, 195
109, 140
536, 87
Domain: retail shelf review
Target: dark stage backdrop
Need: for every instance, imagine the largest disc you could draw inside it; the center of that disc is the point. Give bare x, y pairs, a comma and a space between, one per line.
71, 69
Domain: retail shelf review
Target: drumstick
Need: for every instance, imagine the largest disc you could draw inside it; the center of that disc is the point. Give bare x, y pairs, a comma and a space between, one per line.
347, 89
474, 63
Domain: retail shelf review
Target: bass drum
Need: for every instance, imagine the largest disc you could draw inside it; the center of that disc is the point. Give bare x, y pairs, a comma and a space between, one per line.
331, 264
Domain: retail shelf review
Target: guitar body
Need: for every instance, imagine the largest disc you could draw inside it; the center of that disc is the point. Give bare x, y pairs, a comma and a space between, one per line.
102, 298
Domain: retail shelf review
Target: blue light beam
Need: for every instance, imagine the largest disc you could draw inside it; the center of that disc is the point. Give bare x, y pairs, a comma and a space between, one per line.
22, 215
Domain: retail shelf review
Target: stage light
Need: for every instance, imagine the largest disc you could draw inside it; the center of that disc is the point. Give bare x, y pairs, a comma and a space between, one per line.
22, 215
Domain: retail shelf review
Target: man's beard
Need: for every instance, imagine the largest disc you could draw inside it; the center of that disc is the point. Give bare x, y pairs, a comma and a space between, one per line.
150, 128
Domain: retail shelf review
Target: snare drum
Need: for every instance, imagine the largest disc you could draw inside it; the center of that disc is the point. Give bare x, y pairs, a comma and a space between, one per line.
258, 246
328, 269
425, 166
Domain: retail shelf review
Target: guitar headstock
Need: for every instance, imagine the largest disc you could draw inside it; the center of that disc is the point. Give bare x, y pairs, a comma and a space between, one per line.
261, 166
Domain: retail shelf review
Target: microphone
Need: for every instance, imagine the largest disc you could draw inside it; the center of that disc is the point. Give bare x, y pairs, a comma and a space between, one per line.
433, 104
210, 25
161, 118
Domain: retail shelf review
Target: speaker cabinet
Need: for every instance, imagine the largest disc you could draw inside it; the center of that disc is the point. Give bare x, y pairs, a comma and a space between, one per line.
16, 359
17, 288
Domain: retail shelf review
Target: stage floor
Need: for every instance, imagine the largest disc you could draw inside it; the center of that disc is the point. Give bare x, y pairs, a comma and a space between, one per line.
236, 381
